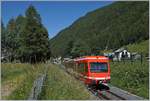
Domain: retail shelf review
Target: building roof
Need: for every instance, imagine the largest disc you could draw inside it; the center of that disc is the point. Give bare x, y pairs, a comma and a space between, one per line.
120, 50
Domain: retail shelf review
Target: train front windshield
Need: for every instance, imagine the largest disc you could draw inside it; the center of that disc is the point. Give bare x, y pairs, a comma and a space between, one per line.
98, 67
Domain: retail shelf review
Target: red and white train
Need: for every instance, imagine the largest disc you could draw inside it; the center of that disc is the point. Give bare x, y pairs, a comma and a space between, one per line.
93, 70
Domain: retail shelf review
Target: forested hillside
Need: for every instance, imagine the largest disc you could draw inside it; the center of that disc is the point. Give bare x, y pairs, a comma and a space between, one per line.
110, 27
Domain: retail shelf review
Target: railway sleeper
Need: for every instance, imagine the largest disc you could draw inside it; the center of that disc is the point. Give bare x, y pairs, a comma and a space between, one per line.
108, 96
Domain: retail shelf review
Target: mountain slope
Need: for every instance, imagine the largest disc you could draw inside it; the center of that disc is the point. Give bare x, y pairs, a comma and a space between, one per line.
109, 27
141, 47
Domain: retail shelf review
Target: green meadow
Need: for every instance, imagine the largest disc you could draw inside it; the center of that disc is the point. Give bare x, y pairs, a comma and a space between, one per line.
18, 79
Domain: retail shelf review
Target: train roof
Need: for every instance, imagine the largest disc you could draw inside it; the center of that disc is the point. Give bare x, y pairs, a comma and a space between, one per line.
91, 58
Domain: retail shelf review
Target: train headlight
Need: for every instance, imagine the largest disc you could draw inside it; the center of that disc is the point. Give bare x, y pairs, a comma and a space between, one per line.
100, 82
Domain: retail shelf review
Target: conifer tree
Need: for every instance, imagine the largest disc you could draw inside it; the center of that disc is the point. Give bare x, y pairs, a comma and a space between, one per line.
2, 35
10, 40
34, 39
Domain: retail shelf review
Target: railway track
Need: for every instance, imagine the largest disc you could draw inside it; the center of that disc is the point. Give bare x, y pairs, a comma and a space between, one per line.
105, 94
113, 93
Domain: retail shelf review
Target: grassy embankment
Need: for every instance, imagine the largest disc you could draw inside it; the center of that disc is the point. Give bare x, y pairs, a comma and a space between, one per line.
17, 79
132, 76
61, 86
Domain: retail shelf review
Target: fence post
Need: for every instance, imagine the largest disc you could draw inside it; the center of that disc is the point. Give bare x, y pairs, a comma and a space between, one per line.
141, 58
131, 59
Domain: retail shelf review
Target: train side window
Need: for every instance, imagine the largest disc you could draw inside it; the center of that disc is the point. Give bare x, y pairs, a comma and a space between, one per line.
86, 67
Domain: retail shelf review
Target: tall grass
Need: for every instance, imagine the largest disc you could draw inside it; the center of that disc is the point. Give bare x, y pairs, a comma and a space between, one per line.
131, 76
12, 76
10, 71
21, 78
61, 86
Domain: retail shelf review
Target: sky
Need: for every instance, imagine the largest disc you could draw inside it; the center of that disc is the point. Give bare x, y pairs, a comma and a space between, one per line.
56, 15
